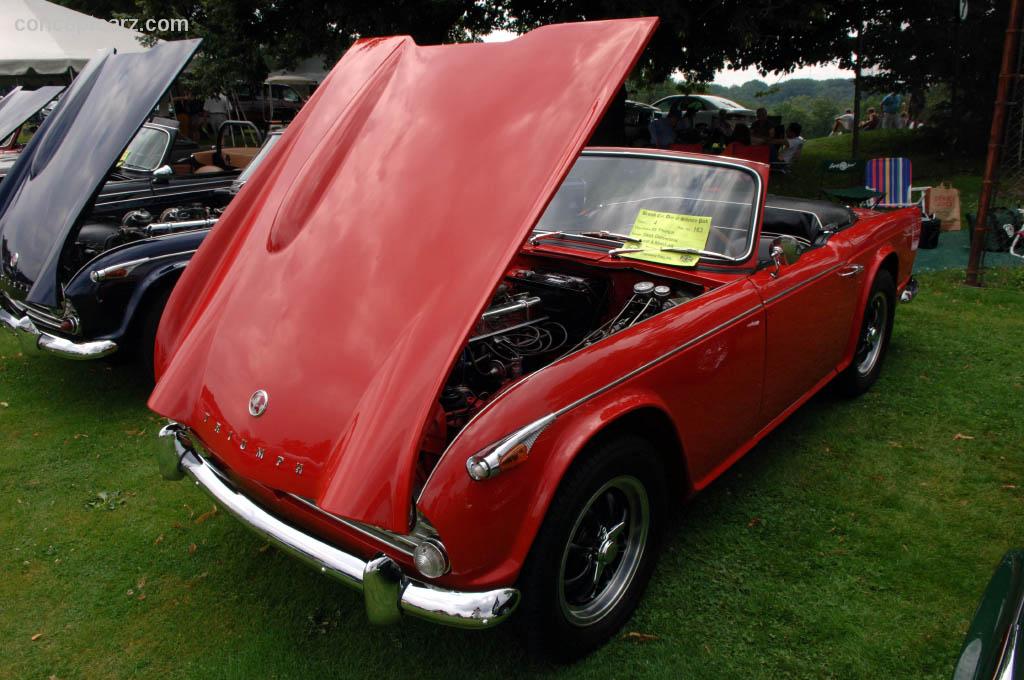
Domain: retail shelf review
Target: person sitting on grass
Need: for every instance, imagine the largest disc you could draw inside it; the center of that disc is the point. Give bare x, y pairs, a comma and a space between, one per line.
872, 122
844, 123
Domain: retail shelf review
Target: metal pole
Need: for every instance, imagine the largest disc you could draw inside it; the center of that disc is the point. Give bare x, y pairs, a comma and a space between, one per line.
994, 143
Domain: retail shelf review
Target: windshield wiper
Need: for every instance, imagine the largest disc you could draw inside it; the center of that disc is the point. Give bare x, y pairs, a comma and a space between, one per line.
569, 236
612, 235
616, 252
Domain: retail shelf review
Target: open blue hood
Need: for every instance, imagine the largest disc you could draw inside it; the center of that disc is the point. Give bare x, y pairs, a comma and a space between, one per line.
66, 162
20, 105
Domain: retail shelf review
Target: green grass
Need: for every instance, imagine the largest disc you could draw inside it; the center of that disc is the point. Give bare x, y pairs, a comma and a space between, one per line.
931, 165
852, 543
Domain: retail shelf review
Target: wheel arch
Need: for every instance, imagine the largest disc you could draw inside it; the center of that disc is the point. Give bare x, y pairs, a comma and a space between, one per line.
511, 508
887, 260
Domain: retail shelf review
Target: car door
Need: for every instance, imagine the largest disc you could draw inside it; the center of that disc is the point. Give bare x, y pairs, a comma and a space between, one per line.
809, 311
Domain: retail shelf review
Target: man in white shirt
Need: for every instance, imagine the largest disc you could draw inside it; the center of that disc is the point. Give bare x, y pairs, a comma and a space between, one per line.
844, 123
216, 108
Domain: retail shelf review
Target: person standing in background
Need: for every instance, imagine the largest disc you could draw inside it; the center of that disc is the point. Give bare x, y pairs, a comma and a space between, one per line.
891, 104
216, 107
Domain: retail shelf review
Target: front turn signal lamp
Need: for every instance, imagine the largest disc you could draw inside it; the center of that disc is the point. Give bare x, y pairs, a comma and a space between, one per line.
511, 451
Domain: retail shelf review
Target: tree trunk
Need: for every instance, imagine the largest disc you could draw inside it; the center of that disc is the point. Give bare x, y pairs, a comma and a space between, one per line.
855, 151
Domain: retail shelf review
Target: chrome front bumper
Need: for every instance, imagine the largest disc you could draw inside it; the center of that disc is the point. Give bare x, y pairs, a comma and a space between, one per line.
34, 340
387, 591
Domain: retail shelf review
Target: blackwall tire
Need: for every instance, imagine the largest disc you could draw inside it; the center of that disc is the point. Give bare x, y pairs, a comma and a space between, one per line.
872, 338
596, 550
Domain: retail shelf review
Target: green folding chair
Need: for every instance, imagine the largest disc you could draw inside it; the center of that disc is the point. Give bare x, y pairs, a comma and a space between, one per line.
848, 170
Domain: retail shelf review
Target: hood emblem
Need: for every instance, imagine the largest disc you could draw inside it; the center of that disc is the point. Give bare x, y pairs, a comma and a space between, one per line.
258, 403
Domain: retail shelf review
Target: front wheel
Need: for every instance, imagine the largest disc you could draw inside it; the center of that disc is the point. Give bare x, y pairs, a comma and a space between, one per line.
873, 341
596, 550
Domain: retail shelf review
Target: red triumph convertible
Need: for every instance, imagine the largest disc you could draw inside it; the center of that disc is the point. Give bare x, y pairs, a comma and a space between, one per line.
454, 359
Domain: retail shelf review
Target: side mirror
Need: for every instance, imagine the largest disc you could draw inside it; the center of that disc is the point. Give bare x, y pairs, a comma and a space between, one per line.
784, 250
163, 173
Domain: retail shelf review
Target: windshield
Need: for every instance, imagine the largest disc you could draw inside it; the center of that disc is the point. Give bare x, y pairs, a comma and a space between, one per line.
146, 150
257, 159
620, 194
724, 103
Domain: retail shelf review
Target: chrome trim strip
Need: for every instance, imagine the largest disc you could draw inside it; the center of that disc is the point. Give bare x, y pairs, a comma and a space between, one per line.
380, 580
201, 183
99, 275
150, 198
654, 362
803, 283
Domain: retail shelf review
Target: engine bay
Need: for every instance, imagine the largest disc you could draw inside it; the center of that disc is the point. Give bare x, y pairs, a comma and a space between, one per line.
542, 311
96, 237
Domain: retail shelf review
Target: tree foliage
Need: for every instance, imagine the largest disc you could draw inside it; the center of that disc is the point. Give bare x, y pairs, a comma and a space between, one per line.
912, 45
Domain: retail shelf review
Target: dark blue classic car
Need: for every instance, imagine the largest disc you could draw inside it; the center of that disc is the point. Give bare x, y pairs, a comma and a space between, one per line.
96, 227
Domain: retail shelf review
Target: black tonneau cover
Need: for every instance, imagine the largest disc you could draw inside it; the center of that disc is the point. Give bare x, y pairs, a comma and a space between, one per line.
804, 218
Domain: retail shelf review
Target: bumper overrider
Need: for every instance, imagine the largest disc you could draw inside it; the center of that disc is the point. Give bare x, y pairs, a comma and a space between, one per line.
387, 591
34, 340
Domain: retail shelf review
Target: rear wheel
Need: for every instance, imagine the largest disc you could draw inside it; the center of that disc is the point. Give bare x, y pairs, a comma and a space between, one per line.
873, 341
596, 550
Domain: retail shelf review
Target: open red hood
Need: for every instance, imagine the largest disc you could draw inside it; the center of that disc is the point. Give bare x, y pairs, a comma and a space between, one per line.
349, 270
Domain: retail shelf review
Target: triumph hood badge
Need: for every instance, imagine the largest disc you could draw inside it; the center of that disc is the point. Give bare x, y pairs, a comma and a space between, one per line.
258, 403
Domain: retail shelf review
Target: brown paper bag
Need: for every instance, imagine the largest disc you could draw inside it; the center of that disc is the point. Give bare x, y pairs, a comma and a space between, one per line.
943, 201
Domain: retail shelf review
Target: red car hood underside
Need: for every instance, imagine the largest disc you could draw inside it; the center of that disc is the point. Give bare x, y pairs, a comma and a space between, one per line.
349, 270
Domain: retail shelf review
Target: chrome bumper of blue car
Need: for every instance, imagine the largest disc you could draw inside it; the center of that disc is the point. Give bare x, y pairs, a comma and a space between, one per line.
387, 591
34, 340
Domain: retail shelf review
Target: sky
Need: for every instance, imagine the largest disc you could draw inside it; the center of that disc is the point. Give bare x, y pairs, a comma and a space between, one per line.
730, 77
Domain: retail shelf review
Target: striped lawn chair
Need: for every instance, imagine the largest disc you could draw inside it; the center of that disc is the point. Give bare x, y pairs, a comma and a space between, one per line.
892, 177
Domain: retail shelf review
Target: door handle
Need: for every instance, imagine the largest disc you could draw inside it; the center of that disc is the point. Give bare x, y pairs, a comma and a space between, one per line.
851, 270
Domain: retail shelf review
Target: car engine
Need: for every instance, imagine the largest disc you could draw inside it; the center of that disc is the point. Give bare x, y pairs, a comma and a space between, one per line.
535, 318
95, 238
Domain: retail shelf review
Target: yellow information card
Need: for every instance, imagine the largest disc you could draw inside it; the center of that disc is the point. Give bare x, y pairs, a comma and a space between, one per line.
657, 230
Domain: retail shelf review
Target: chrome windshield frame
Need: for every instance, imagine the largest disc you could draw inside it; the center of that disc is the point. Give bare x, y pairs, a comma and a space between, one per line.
755, 214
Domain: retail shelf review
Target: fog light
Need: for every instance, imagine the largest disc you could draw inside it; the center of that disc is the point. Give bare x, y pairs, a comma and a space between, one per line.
430, 559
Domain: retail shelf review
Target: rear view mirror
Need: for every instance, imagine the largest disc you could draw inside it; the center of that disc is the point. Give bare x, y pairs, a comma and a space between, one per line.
163, 173
784, 250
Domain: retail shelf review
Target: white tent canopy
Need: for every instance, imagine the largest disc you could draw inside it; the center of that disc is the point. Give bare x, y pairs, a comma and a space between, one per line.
41, 37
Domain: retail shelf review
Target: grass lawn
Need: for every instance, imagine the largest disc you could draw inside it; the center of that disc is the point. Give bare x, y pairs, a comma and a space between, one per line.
853, 543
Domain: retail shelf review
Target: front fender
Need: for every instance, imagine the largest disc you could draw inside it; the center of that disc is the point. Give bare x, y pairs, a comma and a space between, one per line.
107, 309
489, 526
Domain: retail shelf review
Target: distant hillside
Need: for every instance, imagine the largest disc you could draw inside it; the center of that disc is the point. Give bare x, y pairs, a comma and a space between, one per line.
755, 93
812, 103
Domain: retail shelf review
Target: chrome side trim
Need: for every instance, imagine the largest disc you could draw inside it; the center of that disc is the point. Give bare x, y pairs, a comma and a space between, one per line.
803, 283
205, 183
381, 580
98, 275
654, 362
